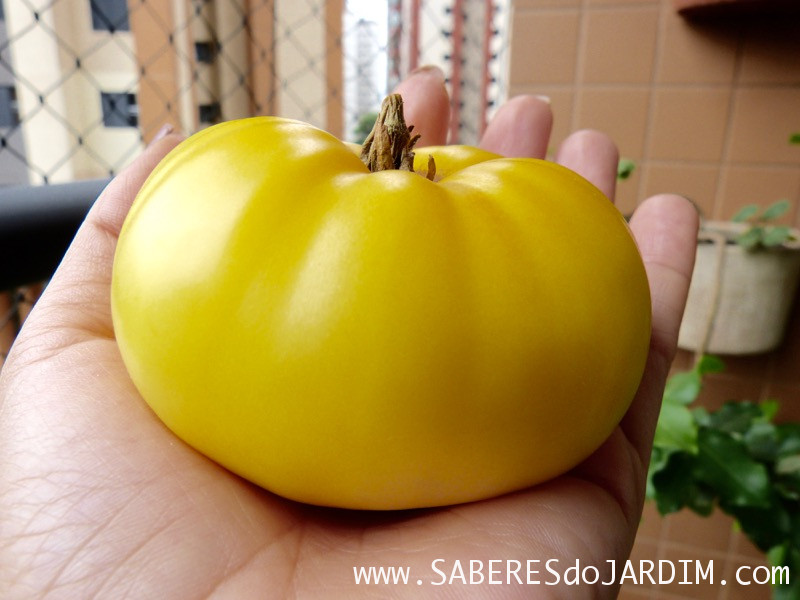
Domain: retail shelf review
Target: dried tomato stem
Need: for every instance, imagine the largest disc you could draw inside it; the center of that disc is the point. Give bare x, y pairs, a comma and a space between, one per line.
390, 144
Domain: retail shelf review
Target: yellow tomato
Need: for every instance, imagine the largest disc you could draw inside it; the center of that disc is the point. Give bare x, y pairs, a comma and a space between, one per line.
378, 340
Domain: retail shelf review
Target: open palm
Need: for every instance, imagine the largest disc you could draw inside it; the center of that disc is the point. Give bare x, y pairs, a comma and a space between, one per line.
99, 500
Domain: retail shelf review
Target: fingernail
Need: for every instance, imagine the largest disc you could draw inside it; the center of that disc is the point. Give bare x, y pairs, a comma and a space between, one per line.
165, 130
543, 98
428, 70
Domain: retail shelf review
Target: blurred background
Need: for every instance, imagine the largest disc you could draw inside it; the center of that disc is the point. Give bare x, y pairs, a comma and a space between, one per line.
703, 100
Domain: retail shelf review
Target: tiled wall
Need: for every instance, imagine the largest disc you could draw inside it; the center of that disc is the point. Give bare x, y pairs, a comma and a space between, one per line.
705, 110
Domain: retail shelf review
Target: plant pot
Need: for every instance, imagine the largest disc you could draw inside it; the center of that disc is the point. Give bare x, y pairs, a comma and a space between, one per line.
739, 300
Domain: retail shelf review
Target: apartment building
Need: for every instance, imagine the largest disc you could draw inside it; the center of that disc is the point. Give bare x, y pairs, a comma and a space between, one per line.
84, 84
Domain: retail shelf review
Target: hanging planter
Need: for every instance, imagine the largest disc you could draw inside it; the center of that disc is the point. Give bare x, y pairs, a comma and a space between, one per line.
743, 285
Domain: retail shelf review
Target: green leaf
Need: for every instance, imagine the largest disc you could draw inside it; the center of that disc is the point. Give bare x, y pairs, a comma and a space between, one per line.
709, 364
765, 527
735, 417
786, 555
788, 465
683, 388
788, 439
775, 236
658, 460
794, 138
745, 213
762, 441
625, 168
751, 238
724, 464
674, 487
769, 408
676, 428
775, 210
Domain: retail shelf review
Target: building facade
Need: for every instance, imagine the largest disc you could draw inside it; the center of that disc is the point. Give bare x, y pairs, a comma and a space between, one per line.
86, 83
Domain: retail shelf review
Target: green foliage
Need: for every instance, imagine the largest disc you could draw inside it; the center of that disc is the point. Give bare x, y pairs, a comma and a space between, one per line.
364, 126
735, 459
625, 168
760, 234
795, 138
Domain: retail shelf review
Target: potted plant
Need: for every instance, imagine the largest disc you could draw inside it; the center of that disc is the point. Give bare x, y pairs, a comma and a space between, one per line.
735, 459
744, 282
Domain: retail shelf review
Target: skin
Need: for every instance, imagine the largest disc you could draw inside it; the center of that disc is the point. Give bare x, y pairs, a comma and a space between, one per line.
99, 500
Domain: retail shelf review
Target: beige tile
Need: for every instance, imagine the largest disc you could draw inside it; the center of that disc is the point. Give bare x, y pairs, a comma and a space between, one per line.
708, 533
620, 45
642, 551
771, 53
621, 3
743, 185
651, 525
693, 53
735, 590
619, 112
544, 47
763, 119
689, 124
687, 572
743, 547
788, 397
533, 4
755, 368
696, 182
719, 389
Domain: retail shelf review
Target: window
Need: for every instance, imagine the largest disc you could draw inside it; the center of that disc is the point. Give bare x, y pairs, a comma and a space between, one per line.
110, 15
9, 110
119, 109
210, 113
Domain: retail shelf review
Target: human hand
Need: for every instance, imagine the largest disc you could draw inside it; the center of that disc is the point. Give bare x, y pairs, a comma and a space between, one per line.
99, 499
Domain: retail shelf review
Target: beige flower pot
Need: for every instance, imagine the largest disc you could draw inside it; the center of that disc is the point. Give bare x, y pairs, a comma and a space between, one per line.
739, 300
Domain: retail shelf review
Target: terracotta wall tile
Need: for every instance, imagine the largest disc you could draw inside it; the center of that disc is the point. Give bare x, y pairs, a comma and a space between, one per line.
700, 54
743, 185
689, 124
528, 4
643, 550
620, 112
788, 397
719, 389
763, 119
621, 3
627, 196
737, 591
652, 523
620, 45
686, 571
706, 111
544, 47
696, 182
771, 53
714, 533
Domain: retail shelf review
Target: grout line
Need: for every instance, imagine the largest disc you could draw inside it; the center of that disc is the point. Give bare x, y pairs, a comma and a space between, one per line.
724, 161
580, 64
652, 88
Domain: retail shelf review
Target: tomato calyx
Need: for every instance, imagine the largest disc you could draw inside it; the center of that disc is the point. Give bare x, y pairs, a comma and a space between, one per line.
390, 144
